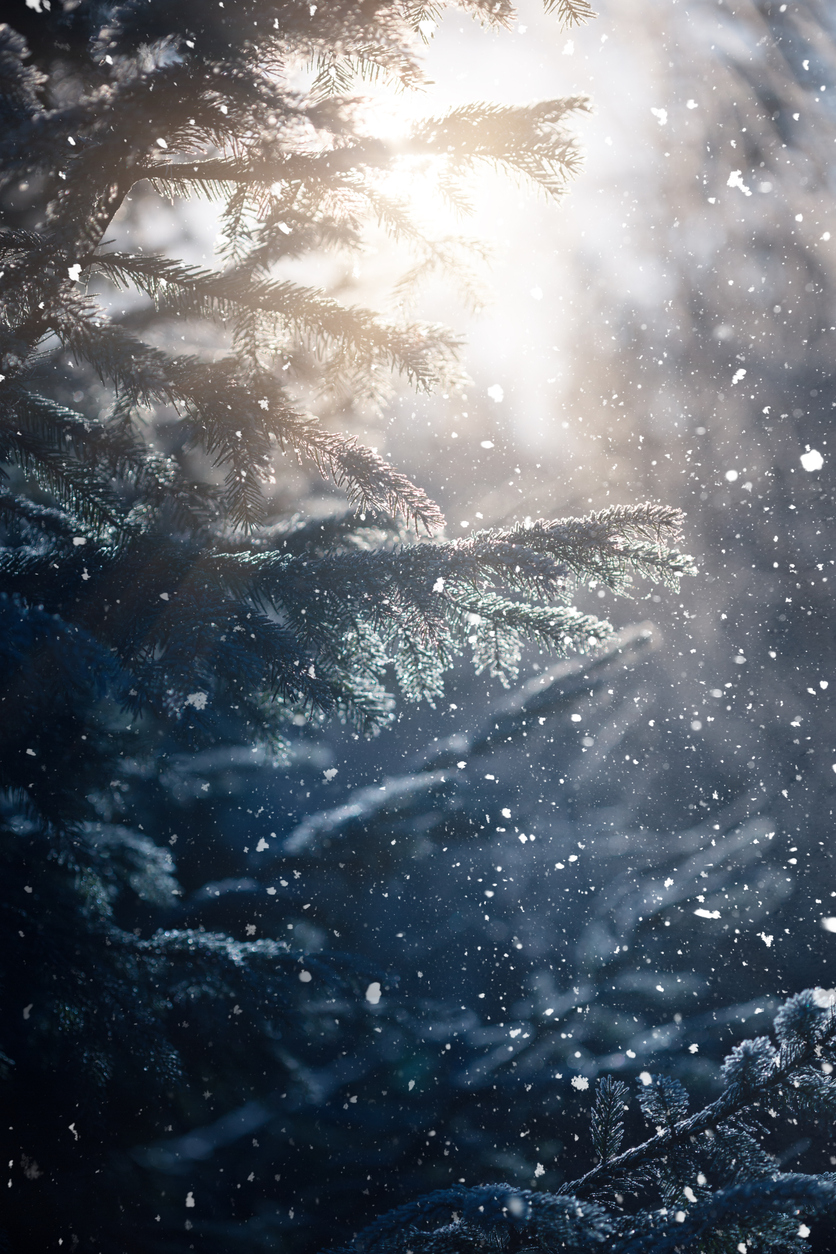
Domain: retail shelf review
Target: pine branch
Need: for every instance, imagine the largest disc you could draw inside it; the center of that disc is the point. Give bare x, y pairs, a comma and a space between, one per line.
571, 12
423, 353
753, 1203
529, 142
741, 1212
754, 1073
608, 1118
236, 419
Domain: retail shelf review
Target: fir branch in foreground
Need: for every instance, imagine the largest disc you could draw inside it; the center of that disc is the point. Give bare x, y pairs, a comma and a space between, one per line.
712, 1202
423, 353
754, 1071
240, 421
204, 634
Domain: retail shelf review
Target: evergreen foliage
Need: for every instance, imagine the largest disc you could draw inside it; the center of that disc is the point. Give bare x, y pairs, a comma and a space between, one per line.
529, 964
142, 552
158, 591
718, 1187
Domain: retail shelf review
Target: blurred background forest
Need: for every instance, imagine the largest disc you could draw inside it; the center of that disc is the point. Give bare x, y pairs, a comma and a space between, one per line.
616, 865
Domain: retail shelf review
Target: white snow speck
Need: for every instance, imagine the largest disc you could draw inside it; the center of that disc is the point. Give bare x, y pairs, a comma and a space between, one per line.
731, 476
803, 1230
536, 293
164, 596
411, 1085
496, 393
373, 993
305, 977
190, 1199
462, 765
261, 846
161, 143
646, 1078
438, 586
198, 700
660, 988
693, 1049
486, 444
738, 376
79, 540
707, 914
767, 940
568, 47
580, 1082
74, 272
330, 773
735, 179
829, 925
691, 104
27, 1010
506, 813
661, 116
31, 753
812, 460
539, 1170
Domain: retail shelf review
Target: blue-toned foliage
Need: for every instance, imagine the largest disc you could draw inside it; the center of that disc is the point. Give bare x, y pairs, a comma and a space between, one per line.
710, 1201
160, 591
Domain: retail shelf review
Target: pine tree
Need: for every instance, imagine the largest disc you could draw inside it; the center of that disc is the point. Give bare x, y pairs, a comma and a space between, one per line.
158, 591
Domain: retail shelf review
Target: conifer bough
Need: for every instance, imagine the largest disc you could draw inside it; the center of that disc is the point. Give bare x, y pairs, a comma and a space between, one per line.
715, 1185
189, 599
